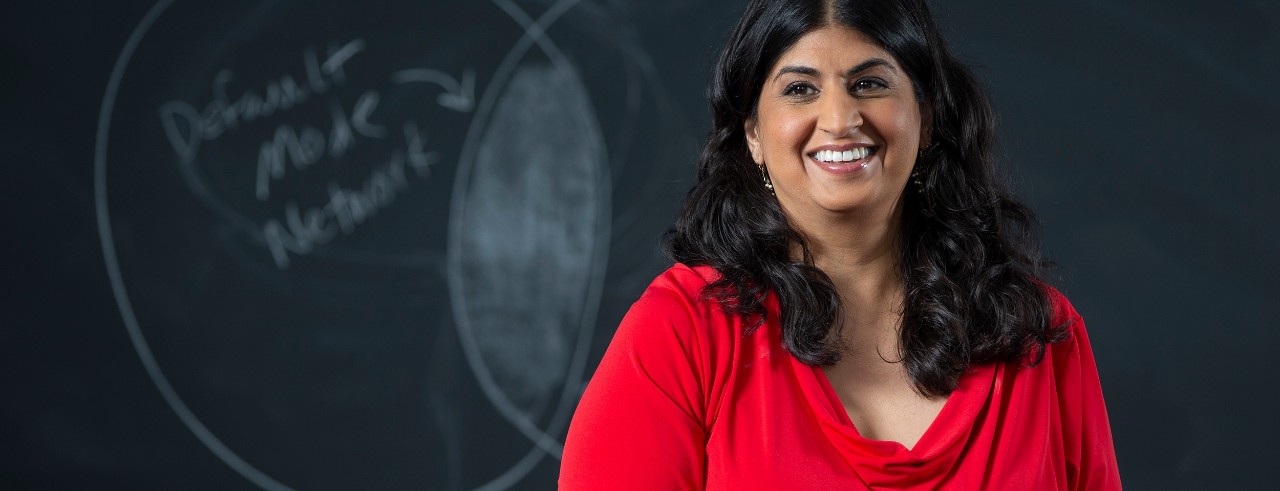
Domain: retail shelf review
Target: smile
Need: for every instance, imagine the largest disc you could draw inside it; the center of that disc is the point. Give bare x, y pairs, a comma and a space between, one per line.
846, 161
858, 153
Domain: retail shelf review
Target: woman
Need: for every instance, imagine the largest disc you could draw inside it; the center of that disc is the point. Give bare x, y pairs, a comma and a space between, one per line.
857, 301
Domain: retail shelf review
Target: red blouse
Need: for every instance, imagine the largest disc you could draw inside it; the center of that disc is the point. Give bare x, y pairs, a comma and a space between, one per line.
682, 400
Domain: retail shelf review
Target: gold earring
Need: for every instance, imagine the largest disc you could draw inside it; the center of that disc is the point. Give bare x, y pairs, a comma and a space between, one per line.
764, 176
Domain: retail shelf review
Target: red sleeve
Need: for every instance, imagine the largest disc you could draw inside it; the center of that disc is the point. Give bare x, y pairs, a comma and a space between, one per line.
641, 422
1090, 453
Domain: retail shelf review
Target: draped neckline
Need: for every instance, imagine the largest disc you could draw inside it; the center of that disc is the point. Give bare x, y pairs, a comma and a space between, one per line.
937, 451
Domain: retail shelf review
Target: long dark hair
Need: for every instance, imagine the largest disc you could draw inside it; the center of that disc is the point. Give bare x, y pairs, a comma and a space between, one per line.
970, 257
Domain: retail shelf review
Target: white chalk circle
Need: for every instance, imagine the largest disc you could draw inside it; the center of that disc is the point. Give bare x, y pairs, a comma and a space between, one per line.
527, 247
529, 240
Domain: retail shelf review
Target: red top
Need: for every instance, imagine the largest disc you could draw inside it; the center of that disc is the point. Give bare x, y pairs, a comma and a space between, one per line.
682, 400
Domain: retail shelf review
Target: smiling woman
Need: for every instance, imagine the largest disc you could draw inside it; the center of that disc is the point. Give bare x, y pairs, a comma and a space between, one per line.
857, 300
837, 127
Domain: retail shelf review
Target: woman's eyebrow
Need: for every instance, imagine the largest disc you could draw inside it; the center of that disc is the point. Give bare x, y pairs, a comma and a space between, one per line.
869, 64
813, 72
803, 70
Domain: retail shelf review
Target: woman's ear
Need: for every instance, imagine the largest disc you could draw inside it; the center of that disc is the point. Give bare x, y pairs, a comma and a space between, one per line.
753, 140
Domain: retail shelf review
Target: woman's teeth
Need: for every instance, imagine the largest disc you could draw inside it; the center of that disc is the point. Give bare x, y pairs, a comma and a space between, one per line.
845, 156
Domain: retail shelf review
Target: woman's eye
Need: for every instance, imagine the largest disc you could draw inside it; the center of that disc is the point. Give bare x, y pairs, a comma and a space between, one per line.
867, 84
799, 88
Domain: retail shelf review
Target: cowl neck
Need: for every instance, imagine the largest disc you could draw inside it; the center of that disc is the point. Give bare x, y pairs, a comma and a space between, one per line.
891, 464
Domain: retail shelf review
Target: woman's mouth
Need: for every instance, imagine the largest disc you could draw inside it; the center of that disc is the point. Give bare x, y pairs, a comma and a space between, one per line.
843, 162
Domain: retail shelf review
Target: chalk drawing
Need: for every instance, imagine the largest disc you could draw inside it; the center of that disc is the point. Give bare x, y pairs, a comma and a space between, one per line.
462, 291
529, 218
458, 95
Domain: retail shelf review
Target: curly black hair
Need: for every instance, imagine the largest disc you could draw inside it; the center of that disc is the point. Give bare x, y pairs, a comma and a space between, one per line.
970, 258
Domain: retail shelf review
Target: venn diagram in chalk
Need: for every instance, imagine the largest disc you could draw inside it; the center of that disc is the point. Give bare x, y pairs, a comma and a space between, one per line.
357, 244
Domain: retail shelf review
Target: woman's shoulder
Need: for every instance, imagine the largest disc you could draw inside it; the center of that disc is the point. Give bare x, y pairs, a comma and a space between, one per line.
1064, 315
682, 284
675, 304
679, 338
1061, 312
683, 277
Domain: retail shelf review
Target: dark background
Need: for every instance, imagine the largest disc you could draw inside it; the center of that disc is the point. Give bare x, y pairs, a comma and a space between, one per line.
1142, 132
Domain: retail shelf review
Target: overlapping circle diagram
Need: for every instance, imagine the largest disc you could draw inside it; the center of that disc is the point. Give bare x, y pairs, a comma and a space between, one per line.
361, 246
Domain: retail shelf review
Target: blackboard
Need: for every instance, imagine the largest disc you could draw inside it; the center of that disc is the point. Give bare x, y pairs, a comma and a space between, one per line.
333, 245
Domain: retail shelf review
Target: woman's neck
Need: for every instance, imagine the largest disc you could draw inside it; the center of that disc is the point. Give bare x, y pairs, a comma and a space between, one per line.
860, 254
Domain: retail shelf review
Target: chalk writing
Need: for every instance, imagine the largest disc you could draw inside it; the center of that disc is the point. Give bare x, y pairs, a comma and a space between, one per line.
303, 147
186, 127
303, 230
295, 147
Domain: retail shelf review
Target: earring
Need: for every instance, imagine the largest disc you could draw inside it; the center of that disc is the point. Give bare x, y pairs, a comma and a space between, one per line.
764, 176
915, 177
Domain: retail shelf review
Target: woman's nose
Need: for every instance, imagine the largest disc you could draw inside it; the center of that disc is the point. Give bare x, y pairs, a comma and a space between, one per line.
839, 114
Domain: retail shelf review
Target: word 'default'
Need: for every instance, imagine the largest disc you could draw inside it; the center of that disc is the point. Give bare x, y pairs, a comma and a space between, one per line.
186, 127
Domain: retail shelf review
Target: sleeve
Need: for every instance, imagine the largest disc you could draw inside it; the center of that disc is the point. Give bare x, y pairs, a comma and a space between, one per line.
640, 424
1090, 453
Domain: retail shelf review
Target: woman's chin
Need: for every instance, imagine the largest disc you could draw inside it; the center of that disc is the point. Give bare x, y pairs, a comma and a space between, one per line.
845, 203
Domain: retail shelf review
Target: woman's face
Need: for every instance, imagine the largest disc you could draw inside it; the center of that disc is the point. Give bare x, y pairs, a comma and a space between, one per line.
838, 126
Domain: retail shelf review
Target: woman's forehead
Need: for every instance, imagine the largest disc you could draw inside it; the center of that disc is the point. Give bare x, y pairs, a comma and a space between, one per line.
832, 47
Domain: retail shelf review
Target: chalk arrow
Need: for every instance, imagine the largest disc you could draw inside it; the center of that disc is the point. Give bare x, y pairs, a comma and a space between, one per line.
457, 95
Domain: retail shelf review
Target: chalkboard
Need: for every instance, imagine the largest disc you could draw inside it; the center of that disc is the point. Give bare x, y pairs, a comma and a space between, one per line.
339, 245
